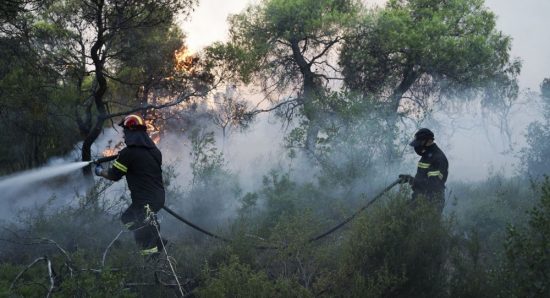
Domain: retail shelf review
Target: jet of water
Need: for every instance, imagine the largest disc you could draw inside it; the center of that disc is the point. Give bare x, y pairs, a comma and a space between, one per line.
27, 178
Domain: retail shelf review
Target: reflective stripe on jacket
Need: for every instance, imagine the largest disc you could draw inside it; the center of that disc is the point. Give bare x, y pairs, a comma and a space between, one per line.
432, 172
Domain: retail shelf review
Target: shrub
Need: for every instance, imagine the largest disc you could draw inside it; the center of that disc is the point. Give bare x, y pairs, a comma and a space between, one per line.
528, 252
239, 280
396, 250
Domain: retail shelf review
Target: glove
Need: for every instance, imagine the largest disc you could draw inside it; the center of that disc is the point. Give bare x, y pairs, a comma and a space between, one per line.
405, 178
98, 170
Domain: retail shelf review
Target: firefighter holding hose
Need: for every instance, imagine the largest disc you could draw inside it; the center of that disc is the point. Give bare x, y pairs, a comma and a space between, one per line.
432, 171
140, 161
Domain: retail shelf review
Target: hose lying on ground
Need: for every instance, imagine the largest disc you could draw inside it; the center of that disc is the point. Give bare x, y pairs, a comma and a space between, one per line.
320, 236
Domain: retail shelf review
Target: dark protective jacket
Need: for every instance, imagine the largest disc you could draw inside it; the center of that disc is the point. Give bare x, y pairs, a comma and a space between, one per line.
141, 162
432, 172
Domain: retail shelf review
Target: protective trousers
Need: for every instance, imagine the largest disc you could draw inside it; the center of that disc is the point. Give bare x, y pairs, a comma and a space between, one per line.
137, 219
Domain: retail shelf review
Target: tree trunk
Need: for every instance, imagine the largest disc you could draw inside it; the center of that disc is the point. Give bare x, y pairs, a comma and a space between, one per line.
409, 77
311, 90
98, 92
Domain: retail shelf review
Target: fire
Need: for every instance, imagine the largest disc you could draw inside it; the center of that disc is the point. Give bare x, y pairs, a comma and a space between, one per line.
109, 152
154, 130
185, 60
112, 150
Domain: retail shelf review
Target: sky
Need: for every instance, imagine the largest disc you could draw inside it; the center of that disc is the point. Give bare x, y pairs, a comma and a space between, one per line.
208, 23
526, 21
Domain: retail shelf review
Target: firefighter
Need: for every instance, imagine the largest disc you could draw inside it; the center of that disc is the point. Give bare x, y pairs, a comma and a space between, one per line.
432, 171
140, 161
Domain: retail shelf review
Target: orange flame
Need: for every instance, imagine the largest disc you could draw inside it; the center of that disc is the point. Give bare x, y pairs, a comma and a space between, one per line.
185, 60
109, 151
153, 130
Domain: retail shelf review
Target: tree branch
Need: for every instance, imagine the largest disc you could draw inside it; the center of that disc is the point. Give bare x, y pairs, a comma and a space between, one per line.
255, 112
52, 279
120, 80
50, 274
153, 106
109, 247
179, 100
325, 50
41, 241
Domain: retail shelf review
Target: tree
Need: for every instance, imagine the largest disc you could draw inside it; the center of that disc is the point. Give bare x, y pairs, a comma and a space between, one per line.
286, 46
31, 98
230, 111
109, 51
413, 52
535, 156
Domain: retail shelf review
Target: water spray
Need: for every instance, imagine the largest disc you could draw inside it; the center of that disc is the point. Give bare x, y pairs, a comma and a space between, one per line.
26, 178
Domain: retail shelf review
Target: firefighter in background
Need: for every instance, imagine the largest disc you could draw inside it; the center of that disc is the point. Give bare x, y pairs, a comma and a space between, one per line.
140, 161
432, 171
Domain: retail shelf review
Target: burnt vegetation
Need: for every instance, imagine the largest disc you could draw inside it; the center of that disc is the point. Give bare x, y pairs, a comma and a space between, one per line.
344, 83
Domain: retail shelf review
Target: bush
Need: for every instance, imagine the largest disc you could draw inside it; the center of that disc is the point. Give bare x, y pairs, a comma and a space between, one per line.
528, 252
535, 157
239, 280
396, 250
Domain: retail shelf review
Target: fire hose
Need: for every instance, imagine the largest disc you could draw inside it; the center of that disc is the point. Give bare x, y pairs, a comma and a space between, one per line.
104, 159
313, 239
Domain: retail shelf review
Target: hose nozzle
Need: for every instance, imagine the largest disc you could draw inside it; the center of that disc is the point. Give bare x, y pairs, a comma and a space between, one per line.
104, 159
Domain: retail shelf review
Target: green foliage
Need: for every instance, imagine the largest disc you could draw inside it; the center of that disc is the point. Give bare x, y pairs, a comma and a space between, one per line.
397, 250
394, 249
281, 198
471, 274
206, 160
262, 36
426, 48
104, 284
84, 62
33, 109
528, 251
286, 47
78, 236
83, 284
8, 272
484, 209
358, 142
239, 280
535, 156
146, 60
